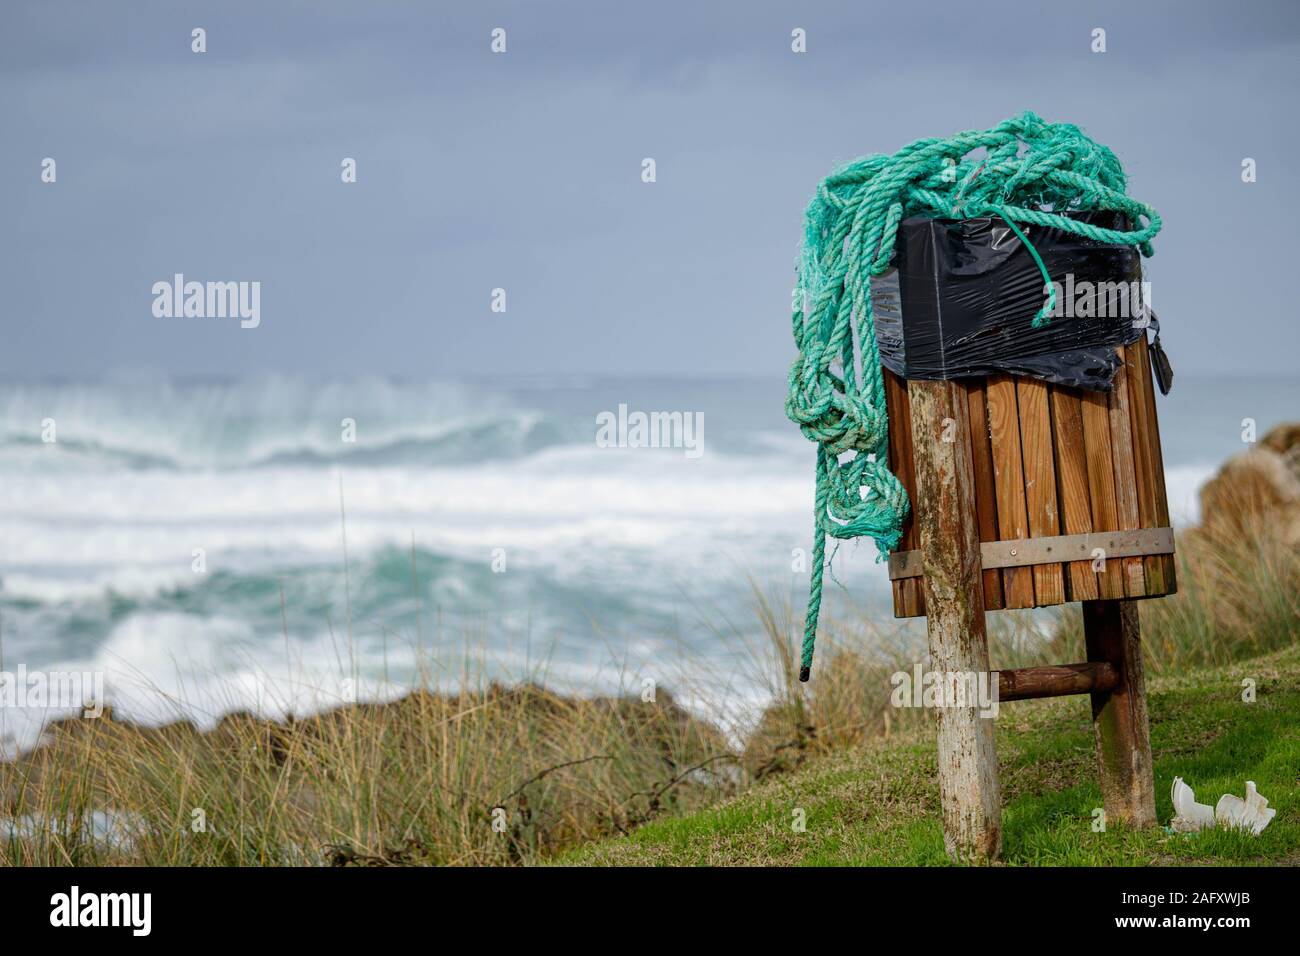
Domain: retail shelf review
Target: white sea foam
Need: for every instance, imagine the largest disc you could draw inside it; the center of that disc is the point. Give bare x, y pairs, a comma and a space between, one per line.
1182, 486
229, 425
556, 500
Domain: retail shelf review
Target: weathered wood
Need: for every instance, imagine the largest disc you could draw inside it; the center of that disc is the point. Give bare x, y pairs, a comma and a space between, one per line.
986, 505
1143, 465
954, 599
1009, 483
1153, 505
896, 463
1121, 444
1056, 680
909, 597
1040, 483
1101, 484
1162, 494
1072, 485
1119, 715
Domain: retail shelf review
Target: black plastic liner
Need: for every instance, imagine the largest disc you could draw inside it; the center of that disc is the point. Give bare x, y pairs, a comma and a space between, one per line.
962, 295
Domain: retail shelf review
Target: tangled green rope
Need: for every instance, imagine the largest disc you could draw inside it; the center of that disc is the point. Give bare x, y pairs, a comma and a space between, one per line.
1025, 171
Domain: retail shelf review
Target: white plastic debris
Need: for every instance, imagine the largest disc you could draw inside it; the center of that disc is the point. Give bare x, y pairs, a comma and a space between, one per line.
1188, 814
1251, 814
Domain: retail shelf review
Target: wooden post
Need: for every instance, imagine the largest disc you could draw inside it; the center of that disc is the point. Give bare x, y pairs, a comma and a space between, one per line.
954, 602
1119, 715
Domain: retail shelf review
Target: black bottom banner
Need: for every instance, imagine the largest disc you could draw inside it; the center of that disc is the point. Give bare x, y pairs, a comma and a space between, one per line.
371, 905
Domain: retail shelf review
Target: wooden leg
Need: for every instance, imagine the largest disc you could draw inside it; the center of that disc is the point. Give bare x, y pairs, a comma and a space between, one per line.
1119, 716
954, 602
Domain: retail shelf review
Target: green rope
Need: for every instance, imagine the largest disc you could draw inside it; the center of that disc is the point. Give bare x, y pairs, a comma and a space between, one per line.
1028, 172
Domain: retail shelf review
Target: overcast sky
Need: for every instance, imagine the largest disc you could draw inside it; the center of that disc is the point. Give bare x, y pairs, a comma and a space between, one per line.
522, 171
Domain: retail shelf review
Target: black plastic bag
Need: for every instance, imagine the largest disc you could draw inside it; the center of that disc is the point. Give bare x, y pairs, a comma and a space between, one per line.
962, 295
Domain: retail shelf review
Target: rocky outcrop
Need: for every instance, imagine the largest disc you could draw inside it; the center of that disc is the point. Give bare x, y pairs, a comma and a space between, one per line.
1258, 489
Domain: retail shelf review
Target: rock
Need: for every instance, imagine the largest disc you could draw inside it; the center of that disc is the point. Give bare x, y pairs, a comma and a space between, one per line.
1260, 488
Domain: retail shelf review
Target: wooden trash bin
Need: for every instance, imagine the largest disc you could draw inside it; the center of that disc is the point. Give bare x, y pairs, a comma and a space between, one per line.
1029, 494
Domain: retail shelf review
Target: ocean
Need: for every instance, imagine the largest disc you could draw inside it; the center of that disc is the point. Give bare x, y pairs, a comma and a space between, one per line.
282, 544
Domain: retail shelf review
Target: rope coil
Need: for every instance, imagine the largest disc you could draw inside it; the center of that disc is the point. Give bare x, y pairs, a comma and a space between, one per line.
1029, 172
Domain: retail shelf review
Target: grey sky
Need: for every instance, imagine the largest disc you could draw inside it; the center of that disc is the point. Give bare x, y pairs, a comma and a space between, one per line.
523, 171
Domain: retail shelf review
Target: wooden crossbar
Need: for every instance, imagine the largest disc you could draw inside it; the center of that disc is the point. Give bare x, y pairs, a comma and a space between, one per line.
1056, 680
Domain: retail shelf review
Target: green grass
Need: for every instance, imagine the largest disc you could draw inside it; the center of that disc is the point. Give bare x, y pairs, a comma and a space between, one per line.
877, 803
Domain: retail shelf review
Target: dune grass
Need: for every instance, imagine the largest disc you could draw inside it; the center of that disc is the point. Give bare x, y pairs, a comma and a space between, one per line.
490, 776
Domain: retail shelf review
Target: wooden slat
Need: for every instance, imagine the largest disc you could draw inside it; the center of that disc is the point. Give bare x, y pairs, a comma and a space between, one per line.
1101, 483
1126, 498
985, 498
909, 600
1162, 494
1009, 484
895, 466
1072, 485
1143, 465
1159, 569
1040, 483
